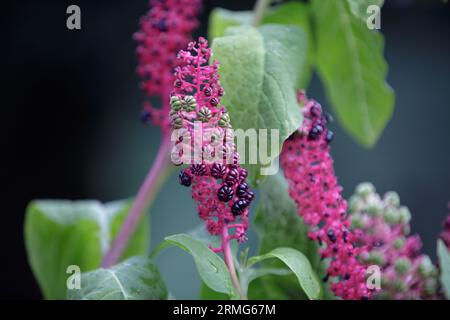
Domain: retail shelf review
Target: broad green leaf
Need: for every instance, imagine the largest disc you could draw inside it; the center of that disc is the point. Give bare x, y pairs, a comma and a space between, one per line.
210, 266
278, 225
353, 70
444, 264
300, 266
289, 13
206, 293
359, 7
256, 72
134, 279
61, 233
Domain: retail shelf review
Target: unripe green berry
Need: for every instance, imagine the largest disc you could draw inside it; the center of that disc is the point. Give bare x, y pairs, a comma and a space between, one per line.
189, 103
404, 215
177, 122
399, 243
376, 257
175, 103
426, 267
402, 266
391, 198
204, 114
364, 189
224, 120
392, 216
356, 221
374, 205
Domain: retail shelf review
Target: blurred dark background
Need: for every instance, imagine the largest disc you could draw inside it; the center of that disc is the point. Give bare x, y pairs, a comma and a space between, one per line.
70, 123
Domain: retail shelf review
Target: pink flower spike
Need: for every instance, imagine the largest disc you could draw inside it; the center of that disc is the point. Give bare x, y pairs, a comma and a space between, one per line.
308, 168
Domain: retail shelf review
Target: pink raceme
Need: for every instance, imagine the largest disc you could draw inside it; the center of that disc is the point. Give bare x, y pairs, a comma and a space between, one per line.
164, 30
205, 142
382, 226
308, 168
445, 234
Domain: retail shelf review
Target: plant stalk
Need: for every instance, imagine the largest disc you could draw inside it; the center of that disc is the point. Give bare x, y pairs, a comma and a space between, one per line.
155, 178
228, 258
258, 11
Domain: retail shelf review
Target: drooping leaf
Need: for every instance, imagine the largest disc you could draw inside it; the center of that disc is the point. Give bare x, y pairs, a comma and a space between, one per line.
352, 68
256, 72
359, 7
134, 279
279, 225
444, 264
210, 266
289, 13
61, 233
300, 266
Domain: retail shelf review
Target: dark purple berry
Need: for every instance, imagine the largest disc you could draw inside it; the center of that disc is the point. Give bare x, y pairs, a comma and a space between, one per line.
238, 207
177, 83
225, 193
329, 136
218, 170
315, 132
220, 92
243, 173
145, 116
331, 235
316, 110
249, 196
214, 102
185, 179
241, 190
207, 91
161, 25
232, 176
198, 169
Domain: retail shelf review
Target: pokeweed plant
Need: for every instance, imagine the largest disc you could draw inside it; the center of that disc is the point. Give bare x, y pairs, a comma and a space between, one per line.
312, 246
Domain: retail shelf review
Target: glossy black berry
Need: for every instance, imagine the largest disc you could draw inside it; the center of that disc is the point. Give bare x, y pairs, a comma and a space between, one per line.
145, 116
207, 91
249, 196
177, 83
225, 193
331, 235
238, 207
329, 136
214, 102
232, 177
241, 190
185, 179
218, 170
315, 132
243, 173
220, 92
198, 169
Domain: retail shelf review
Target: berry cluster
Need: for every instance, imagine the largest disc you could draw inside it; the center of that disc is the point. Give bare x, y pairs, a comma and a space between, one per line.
308, 168
164, 30
205, 142
382, 225
445, 234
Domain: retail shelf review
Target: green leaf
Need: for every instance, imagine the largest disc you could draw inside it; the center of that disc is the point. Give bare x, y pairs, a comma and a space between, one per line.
444, 263
353, 70
206, 293
278, 225
289, 13
359, 7
299, 264
61, 233
210, 266
134, 279
256, 72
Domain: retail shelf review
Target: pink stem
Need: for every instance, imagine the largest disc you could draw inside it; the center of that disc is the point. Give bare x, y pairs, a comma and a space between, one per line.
228, 258
155, 177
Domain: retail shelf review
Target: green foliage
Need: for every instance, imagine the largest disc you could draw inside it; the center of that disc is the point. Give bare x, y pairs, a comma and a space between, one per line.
134, 279
256, 72
61, 233
279, 225
352, 68
210, 266
299, 265
289, 13
444, 263
359, 7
